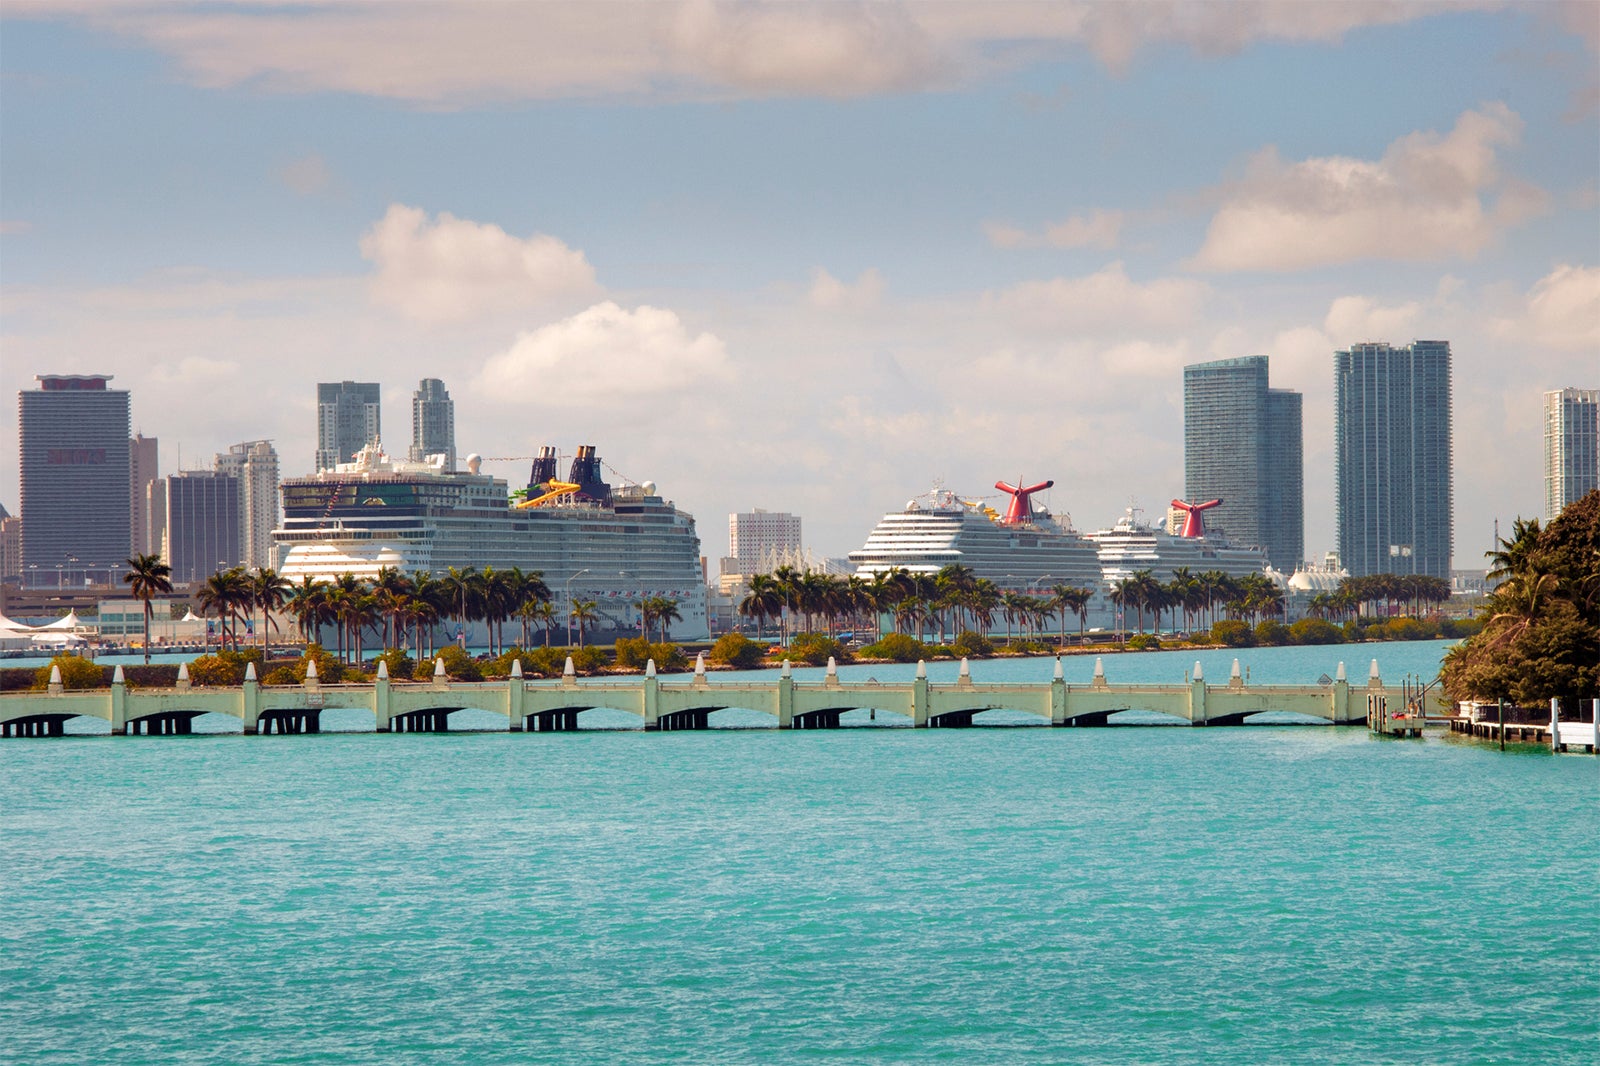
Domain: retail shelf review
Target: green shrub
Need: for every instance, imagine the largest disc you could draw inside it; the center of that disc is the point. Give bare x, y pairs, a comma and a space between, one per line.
669, 657
330, 671
400, 663
458, 665
282, 675
1233, 633
1273, 633
1316, 631
632, 652
1458, 628
588, 660
1144, 642
76, 673
898, 648
816, 649
1029, 647
738, 651
971, 645
216, 670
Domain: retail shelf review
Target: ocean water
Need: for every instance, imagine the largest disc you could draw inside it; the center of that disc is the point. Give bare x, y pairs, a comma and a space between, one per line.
1268, 894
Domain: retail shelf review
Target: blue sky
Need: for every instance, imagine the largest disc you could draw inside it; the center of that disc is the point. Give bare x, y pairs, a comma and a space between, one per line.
804, 257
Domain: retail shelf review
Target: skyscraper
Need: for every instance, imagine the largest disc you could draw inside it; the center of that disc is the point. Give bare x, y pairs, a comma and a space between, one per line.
1571, 446
144, 457
433, 423
76, 506
1392, 464
254, 463
761, 533
347, 420
1242, 444
202, 524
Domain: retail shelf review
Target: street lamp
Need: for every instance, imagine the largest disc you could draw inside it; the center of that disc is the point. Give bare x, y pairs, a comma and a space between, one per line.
585, 570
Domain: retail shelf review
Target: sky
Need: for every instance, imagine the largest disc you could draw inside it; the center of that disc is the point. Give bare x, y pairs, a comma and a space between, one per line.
804, 257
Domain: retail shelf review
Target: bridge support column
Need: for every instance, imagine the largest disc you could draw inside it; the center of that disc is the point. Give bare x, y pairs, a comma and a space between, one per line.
1058, 697
1197, 700
516, 693
786, 698
250, 701
381, 698
119, 704
919, 697
652, 701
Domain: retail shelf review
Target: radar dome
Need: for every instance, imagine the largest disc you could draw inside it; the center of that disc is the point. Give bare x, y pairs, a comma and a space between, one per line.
473, 462
649, 488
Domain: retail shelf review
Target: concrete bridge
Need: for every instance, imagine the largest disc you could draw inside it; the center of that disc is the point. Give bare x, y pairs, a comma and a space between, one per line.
547, 706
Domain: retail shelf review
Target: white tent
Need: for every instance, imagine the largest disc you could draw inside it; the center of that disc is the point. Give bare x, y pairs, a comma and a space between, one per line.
69, 622
9, 626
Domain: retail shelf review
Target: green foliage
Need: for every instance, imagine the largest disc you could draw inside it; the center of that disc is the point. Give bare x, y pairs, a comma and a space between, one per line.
1316, 631
1233, 633
400, 663
458, 665
1459, 628
898, 648
282, 675
1144, 642
739, 651
1028, 647
216, 671
1402, 629
330, 671
76, 673
816, 649
631, 652
500, 666
972, 645
1273, 634
588, 660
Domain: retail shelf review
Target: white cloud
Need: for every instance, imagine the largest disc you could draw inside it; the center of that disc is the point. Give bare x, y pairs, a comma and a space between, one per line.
1098, 229
452, 268
1354, 319
307, 175
603, 353
1107, 299
1427, 198
450, 54
829, 293
1561, 311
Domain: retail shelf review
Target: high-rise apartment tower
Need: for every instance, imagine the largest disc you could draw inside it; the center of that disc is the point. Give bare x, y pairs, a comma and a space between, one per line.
1571, 447
347, 420
1242, 444
762, 534
144, 459
1392, 461
77, 519
254, 463
433, 423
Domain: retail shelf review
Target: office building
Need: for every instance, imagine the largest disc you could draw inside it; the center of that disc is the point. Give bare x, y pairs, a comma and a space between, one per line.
1392, 464
347, 420
254, 464
1242, 444
202, 524
433, 423
155, 519
144, 470
1571, 429
76, 505
10, 545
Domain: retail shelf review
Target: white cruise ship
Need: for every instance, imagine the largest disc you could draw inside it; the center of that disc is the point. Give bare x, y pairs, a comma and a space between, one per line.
1131, 546
590, 541
1024, 550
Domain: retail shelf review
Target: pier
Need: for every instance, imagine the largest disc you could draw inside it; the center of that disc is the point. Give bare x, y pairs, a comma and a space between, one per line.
556, 705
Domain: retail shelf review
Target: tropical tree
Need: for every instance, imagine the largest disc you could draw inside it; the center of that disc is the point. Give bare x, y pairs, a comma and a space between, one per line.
583, 611
308, 605
666, 613
269, 591
147, 576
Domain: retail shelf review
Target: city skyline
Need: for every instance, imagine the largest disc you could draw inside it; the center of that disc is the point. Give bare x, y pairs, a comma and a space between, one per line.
817, 256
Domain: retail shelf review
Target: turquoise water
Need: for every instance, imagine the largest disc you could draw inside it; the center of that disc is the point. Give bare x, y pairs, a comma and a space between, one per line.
1118, 895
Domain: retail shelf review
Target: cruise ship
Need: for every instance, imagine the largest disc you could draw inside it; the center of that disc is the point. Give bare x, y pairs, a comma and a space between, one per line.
590, 541
1026, 549
1131, 545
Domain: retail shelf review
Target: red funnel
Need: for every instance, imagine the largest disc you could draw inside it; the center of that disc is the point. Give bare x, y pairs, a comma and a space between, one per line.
1195, 524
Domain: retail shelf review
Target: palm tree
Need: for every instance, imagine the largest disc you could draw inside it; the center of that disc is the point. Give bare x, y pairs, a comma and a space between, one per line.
763, 601
268, 591
224, 593
465, 589
147, 575
545, 612
308, 603
666, 614
583, 611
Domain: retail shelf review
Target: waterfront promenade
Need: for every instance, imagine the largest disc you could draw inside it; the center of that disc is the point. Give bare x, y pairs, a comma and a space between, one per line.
555, 705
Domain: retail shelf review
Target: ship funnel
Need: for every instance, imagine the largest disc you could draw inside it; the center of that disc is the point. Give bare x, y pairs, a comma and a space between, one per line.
1021, 509
1194, 525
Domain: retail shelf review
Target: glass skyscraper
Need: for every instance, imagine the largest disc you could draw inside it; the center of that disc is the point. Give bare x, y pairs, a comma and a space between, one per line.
1242, 443
202, 524
1392, 462
347, 420
1571, 447
77, 501
433, 423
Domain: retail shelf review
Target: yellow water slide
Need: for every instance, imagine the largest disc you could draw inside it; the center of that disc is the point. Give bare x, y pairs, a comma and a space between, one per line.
553, 489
